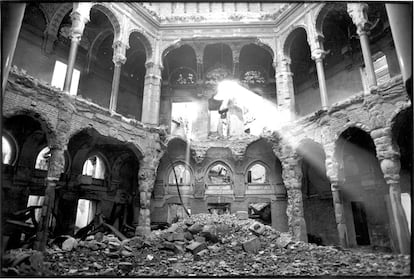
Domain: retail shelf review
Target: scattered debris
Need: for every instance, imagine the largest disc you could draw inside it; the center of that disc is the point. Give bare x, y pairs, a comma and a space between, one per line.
240, 248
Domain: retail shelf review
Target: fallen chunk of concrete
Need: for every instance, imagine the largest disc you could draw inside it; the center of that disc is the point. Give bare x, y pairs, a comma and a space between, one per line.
196, 247
252, 245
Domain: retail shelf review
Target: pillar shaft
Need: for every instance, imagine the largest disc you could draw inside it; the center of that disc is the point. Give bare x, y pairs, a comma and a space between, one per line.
292, 177
284, 87
146, 177
71, 63
115, 87
79, 17
236, 69
359, 15
152, 93
199, 70
389, 158
366, 53
340, 215
390, 167
12, 17
56, 167
400, 18
318, 55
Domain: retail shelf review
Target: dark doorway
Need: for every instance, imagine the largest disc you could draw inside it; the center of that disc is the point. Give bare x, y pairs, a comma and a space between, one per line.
360, 222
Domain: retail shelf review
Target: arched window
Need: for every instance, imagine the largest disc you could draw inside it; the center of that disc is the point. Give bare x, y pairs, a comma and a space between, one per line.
9, 150
85, 213
183, 175
257, 174
42, 160
94, 167
381, 67
219, 174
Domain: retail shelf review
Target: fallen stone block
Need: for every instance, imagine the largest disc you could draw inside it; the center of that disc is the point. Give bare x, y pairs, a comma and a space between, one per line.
169, 246
284, 240
178, 237
69, 244
252, 246
195, 229
125, 267
196, 247
173, 228
257, 228
99, 236
242, 215
169, 237
210, 237
198, 238
188, 236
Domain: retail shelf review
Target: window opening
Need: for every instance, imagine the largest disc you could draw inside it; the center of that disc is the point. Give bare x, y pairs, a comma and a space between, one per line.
58, 78
219, 174
183, 175
183, 115
219, 208
360, 222
257, 174
94, 167
42, 160
381, 68
7, 151
85, 213
35, 200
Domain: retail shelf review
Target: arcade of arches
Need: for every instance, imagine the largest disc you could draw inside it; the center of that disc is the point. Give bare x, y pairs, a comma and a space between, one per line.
140, 113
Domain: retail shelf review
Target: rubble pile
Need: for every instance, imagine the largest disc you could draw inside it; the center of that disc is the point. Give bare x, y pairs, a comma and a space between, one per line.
212, 245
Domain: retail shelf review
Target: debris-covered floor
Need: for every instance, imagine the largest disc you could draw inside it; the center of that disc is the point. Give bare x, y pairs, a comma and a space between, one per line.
202, 245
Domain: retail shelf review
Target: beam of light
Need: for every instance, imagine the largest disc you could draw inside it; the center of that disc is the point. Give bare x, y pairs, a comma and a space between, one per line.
259, 113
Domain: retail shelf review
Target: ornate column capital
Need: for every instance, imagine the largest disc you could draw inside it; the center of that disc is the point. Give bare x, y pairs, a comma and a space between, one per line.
319, 54
79, 19
119, 56
358, 13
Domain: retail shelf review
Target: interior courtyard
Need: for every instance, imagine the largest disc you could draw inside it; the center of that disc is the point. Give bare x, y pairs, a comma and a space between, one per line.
137, 115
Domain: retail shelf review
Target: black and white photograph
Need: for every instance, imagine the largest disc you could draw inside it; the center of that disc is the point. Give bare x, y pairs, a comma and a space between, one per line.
206, 139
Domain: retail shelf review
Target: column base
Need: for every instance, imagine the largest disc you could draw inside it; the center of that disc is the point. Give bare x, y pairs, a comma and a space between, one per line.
143, 231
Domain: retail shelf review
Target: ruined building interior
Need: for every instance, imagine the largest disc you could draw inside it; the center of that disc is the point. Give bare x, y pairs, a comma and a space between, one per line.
299, 114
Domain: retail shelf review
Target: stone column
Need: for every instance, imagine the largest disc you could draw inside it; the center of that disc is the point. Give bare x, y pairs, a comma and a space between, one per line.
79, 16
339, 213
358, 13
292, 176
318, 55
56, 168
278, 208
401, 18
199, 69
199, 51
332, 172
389, 159
236, 60
236, 67
146, 180
118, 59
12, 14
284, 86
152, 93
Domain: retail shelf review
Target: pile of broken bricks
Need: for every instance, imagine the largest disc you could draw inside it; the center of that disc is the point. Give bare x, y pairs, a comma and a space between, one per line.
211, 245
